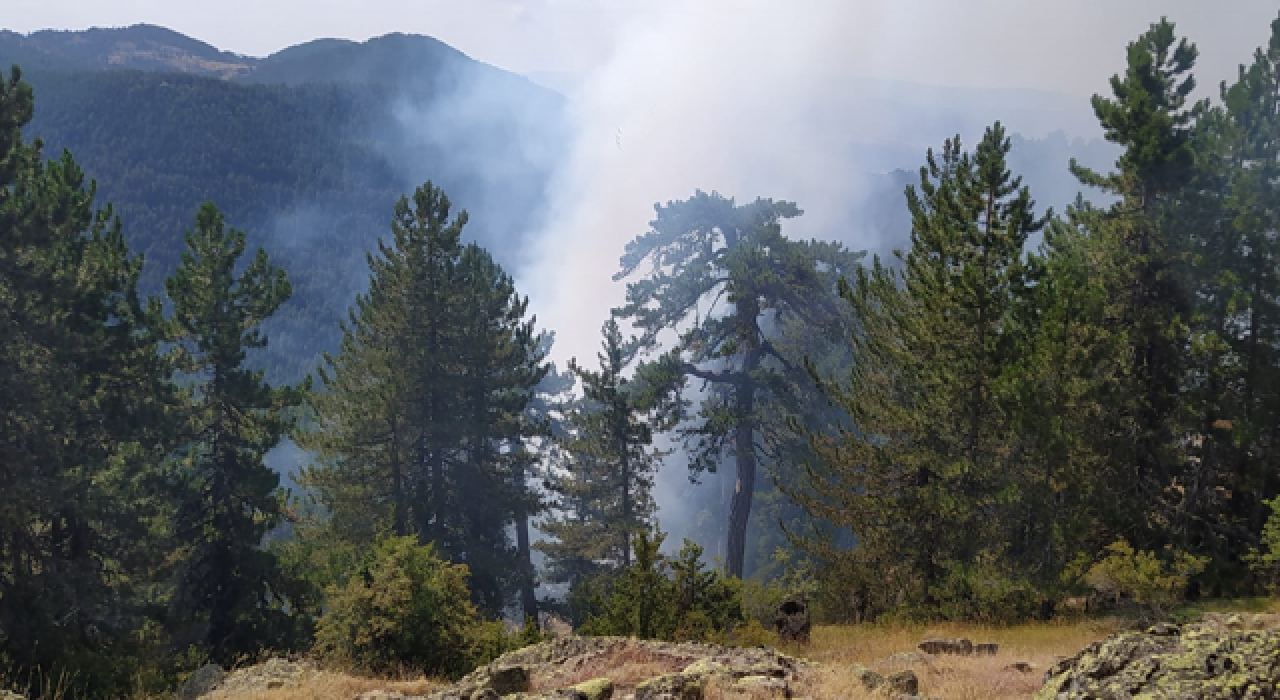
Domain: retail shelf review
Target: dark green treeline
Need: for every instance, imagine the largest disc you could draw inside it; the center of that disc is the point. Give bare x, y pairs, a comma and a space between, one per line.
1014, 413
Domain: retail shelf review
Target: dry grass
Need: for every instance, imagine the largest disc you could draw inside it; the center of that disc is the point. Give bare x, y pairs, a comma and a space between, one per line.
835, 648
950, 677
326, 685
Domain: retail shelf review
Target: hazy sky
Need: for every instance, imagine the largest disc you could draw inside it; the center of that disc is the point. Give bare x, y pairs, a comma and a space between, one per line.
1063, 46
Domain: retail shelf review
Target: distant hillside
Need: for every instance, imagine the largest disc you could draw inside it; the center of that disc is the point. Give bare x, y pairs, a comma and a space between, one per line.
140, 47
306, 150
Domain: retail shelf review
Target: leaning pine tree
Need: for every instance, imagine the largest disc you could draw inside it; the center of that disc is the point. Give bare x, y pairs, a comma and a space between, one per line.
722, 275
232, 597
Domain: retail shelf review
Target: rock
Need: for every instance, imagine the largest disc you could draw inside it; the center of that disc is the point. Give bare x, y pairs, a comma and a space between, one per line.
202, 681
986, 649
960, 647
764, 686
596, 689
671, 686
868, 678
508, 680
792, 620
1020, 667
485, 693
273, 674
10, 695
904, 682
1200, 662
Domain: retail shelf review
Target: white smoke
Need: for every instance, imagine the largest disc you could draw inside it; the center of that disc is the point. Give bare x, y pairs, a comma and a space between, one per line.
749, 98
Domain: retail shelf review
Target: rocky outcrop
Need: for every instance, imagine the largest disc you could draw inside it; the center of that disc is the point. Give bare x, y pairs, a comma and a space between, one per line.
579, 668
1194, 662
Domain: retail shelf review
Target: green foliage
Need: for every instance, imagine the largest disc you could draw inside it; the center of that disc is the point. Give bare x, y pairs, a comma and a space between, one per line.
229, 590
657, 598
88, 421
1264, 560
1154, 581
722, 273
603, 481
405, 607
420, 425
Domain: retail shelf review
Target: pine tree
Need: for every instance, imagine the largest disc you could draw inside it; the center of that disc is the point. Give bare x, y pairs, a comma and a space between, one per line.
86, 424
728, 272
602, 495
924, 476
230, 588
1151, 118
421, 427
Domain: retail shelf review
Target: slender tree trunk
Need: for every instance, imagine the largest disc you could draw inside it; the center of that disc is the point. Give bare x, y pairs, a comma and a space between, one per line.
744, 486
528, 601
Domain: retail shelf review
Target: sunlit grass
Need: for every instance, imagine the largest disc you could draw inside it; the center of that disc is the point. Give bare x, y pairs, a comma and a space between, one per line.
837, 648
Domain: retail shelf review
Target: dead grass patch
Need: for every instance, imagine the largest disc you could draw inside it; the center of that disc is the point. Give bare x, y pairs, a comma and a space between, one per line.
837, 648
327, 685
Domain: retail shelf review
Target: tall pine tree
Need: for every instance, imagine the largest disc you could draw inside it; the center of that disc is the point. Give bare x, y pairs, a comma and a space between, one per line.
232, 595
86, 423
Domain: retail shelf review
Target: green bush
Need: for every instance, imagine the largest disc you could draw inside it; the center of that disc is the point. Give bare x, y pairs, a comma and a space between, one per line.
1264, 560
1154, 582
984, 591
404, 606
661, 599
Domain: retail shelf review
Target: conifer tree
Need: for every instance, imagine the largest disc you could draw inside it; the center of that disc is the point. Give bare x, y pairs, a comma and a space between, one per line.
923, 474
85, 412
726, 272
229, 588
602, 496
421, 426
1149, 116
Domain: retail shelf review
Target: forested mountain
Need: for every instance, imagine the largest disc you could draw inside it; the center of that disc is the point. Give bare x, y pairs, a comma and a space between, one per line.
306, 150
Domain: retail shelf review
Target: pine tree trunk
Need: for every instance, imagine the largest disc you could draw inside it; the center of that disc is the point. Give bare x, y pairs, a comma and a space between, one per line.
528, 600
745, 484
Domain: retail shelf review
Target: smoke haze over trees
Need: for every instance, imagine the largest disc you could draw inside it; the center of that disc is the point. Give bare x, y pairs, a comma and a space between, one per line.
952, 391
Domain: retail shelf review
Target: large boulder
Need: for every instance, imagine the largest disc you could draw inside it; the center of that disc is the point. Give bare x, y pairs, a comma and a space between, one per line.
1195, 662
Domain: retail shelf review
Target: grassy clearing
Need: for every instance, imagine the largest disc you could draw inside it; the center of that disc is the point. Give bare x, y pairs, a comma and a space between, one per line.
327, 685
950, 677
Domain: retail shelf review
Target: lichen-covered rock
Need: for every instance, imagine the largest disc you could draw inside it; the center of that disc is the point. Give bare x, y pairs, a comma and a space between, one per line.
672, 686
960, 647
596, 689
202, 681
1196, 662
507, 680
903, 682
274, 673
